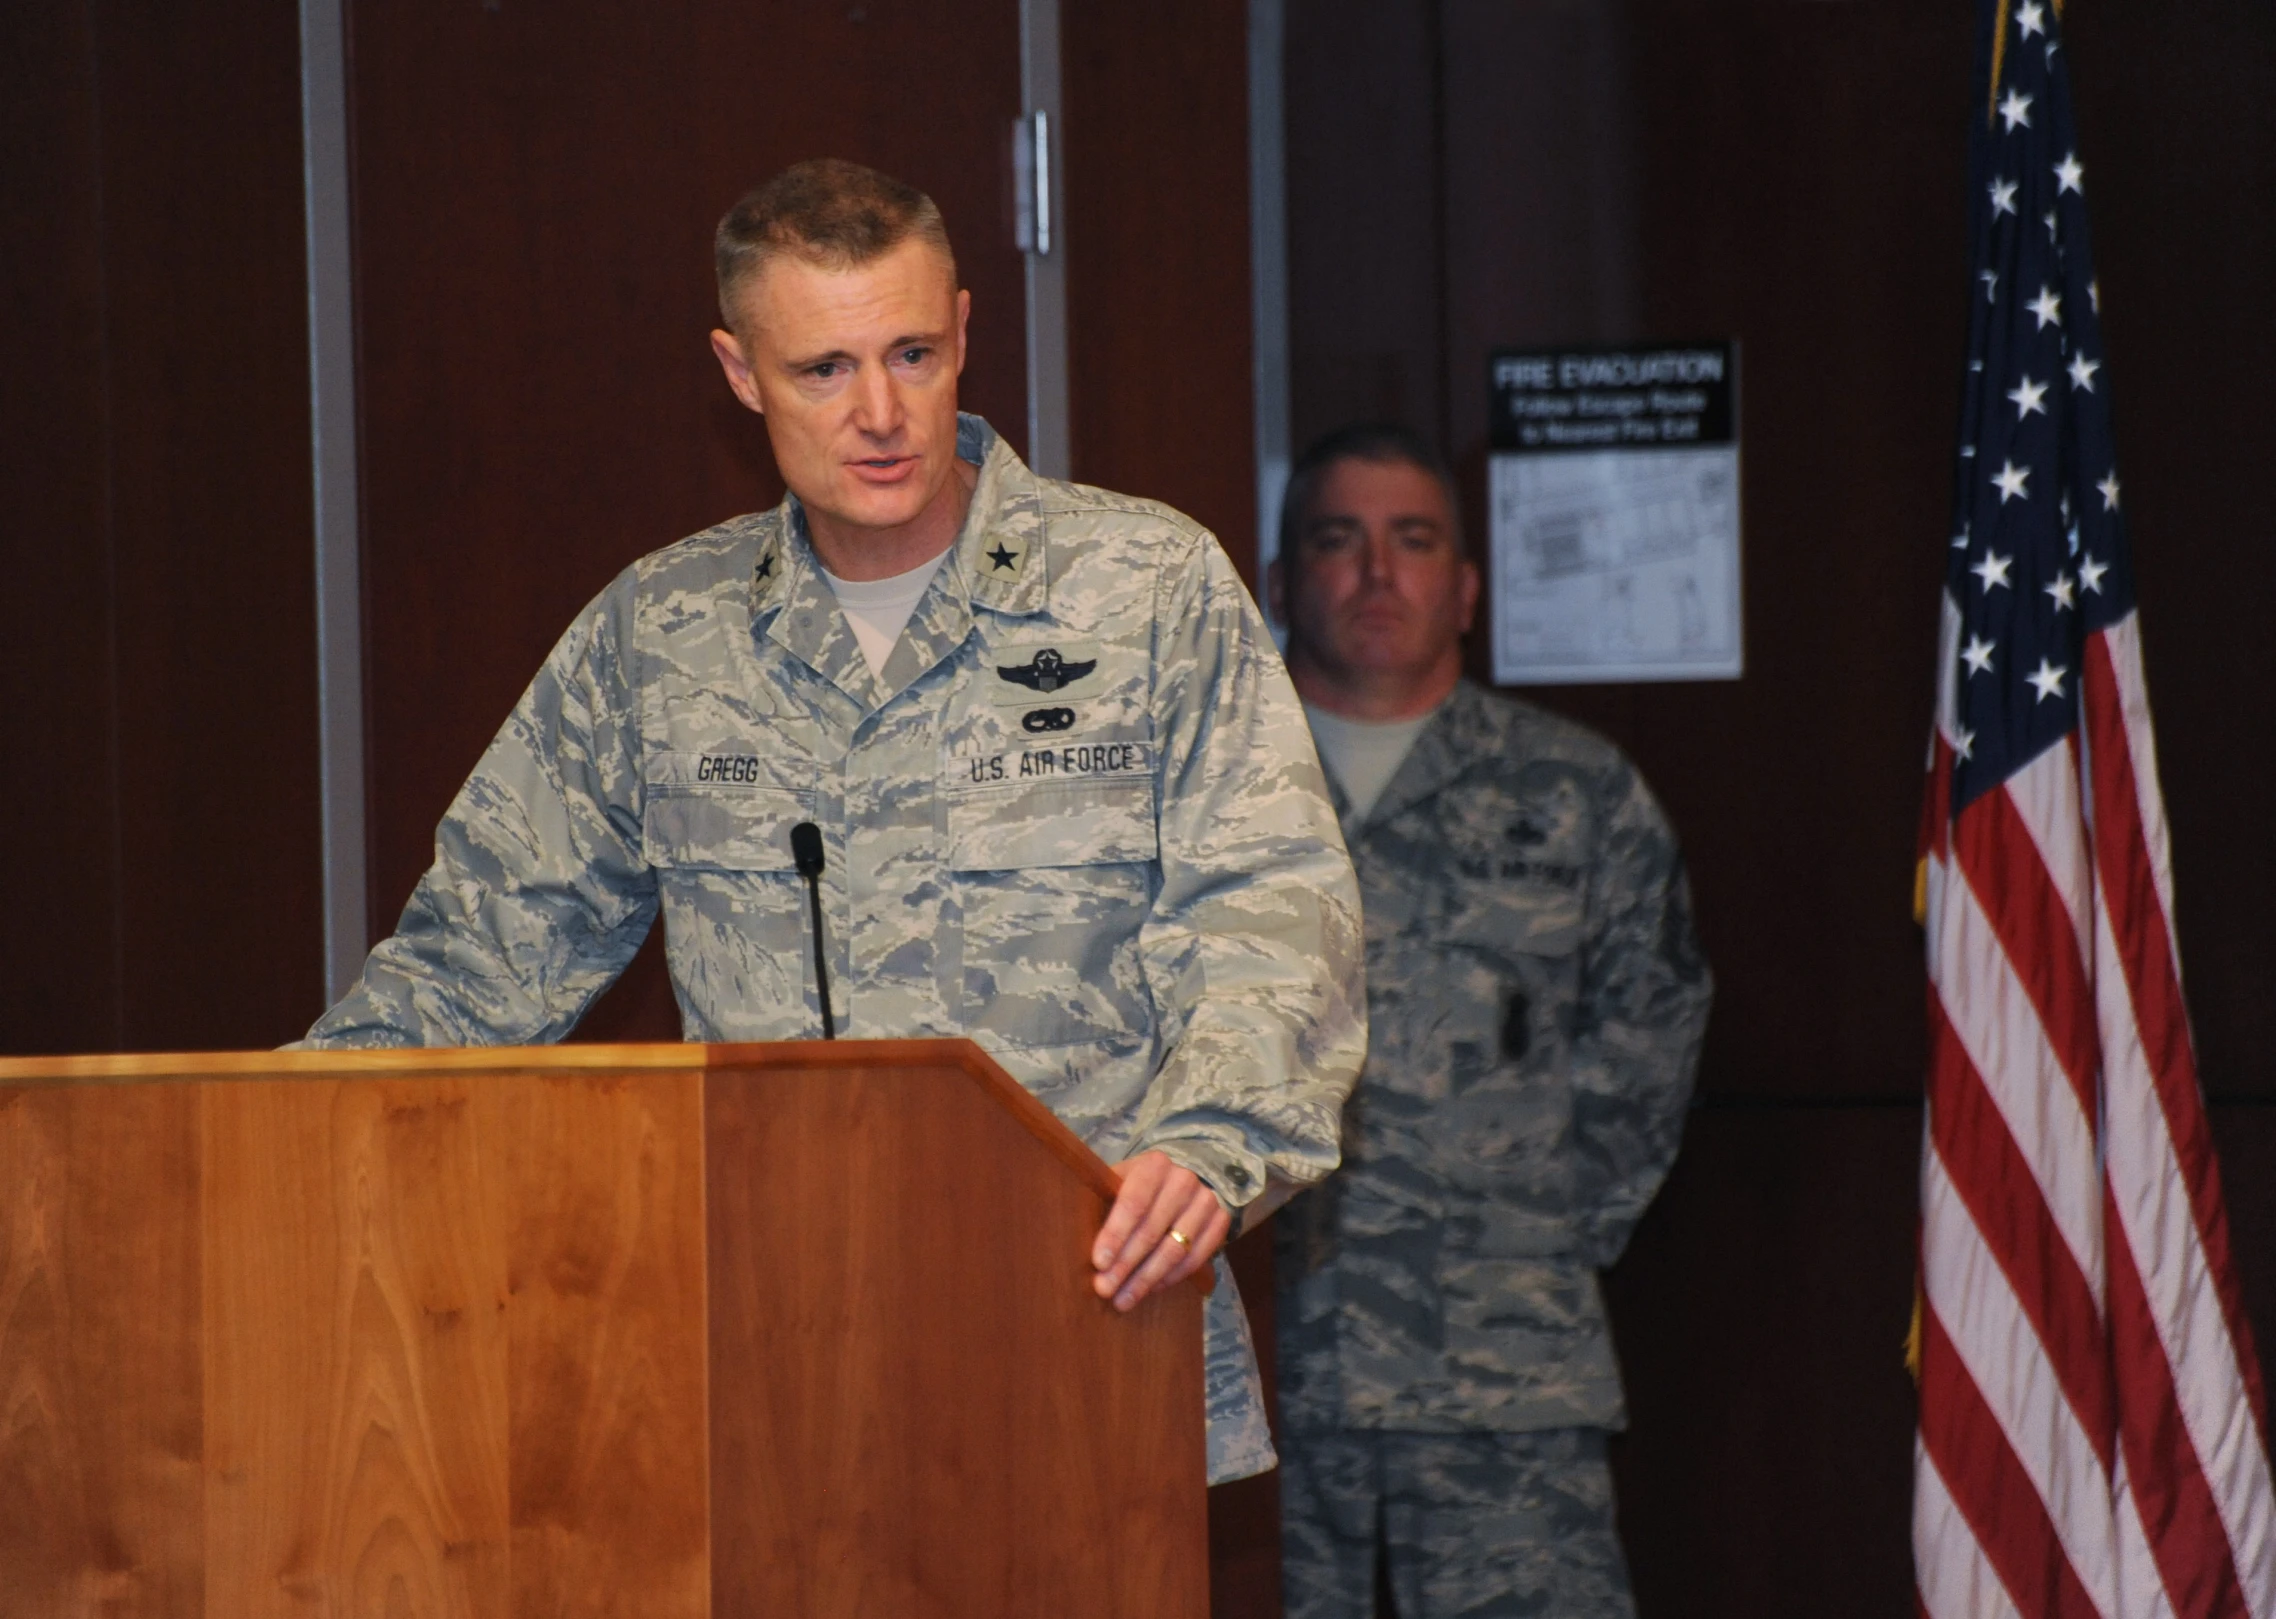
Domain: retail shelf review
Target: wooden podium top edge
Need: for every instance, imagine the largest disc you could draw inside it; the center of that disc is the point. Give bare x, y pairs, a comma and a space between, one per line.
665, 1056
127, 1068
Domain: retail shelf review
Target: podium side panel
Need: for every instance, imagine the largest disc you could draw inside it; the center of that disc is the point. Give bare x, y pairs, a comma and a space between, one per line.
604, 1180
919, 1406
356, 1352
100, 1431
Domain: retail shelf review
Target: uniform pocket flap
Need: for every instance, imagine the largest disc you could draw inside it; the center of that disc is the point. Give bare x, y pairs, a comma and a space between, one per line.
1053, 823
723, 829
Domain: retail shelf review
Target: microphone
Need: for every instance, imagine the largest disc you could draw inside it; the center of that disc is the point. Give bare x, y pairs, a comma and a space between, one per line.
806, 849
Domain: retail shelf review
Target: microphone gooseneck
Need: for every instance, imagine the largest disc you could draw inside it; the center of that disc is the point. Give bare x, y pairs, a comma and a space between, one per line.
806, 850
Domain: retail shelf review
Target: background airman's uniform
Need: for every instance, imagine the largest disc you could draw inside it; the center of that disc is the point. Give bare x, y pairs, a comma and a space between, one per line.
1536, 1002
1077, 818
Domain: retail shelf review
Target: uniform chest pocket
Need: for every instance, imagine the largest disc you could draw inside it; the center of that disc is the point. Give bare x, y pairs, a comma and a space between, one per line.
722, 829
1053, 823
735, 922
1054, 880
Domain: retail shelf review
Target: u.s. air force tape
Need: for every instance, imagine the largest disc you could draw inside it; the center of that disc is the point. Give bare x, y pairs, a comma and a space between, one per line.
1071, 761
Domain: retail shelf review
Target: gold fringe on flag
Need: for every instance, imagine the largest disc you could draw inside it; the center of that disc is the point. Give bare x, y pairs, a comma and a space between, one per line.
1999, 59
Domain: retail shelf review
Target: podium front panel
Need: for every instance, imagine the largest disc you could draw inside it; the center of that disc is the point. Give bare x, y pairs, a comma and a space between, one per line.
658, 1331
919, 1405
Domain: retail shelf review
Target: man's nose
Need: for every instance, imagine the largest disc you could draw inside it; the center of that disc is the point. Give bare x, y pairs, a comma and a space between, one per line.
877, 402
1375, 559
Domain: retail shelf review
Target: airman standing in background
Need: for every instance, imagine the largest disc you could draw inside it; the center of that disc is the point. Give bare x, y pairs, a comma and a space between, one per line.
1536, 1000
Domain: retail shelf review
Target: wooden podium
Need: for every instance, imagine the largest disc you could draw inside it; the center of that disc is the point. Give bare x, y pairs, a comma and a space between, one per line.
799, 1330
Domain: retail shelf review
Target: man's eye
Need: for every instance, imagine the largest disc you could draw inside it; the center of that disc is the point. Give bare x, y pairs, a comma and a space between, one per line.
914, 356
825, 371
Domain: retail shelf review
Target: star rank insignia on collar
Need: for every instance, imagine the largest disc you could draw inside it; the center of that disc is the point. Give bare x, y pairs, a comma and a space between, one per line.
1002, 557
765, 569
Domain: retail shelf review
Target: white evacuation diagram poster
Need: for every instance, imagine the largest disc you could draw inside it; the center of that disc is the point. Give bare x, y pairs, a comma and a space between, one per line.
1613, 489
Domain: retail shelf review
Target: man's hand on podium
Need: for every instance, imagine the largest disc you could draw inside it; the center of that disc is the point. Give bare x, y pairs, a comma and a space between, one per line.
1165, 1226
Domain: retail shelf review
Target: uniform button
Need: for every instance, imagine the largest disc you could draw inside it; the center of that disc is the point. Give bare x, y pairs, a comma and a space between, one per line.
1237, 1175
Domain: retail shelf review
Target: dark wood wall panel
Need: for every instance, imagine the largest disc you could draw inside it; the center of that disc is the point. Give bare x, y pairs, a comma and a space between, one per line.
535, 191
161, 666
2177, 126
56, 676
1158, 313
1760, 1315
212, 526
1363, 196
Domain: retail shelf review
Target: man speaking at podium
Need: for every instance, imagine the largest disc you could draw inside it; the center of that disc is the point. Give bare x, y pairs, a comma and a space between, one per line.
1068, 803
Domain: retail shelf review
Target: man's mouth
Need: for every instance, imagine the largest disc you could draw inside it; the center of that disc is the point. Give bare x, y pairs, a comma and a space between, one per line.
883, 468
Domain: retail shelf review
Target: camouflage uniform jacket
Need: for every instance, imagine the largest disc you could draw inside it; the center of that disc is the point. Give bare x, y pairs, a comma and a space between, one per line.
1078, 819
1535, 1001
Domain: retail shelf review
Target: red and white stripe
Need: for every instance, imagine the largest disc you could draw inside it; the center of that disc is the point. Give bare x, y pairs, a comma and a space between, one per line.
2092, 1422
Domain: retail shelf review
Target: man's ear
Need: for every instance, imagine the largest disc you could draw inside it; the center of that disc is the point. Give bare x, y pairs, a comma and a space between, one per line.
1471, 583
737, 364
963, 319
1276, 590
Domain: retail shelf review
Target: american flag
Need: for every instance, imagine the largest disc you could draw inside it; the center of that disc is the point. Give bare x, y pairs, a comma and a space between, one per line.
2091, 1413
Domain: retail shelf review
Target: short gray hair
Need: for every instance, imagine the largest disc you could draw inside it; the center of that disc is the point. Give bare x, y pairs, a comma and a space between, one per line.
828, 212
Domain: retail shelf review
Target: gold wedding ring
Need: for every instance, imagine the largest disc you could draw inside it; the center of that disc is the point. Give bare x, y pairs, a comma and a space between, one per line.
1180, 1238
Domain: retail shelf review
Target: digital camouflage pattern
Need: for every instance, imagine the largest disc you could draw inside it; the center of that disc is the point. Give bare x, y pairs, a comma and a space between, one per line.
1536, 1000
1478, 1525
1078, 819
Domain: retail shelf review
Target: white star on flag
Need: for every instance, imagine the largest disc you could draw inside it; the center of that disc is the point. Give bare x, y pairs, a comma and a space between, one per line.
2109, 488
2047, 679
1992, 570
2068, 175
2015, 109
2082, 372
2008, 480
1964, 744
2003, 202
2047, 307
2061, 590
2027, 397
1977, 655
2090, 574
2030, 18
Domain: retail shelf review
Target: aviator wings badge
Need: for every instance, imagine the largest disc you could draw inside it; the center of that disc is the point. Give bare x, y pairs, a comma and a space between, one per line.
1047, 671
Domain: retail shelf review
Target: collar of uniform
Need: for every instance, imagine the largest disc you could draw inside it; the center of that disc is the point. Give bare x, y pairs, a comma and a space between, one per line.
995, 562
807, 622
1447, 747
1000, 554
